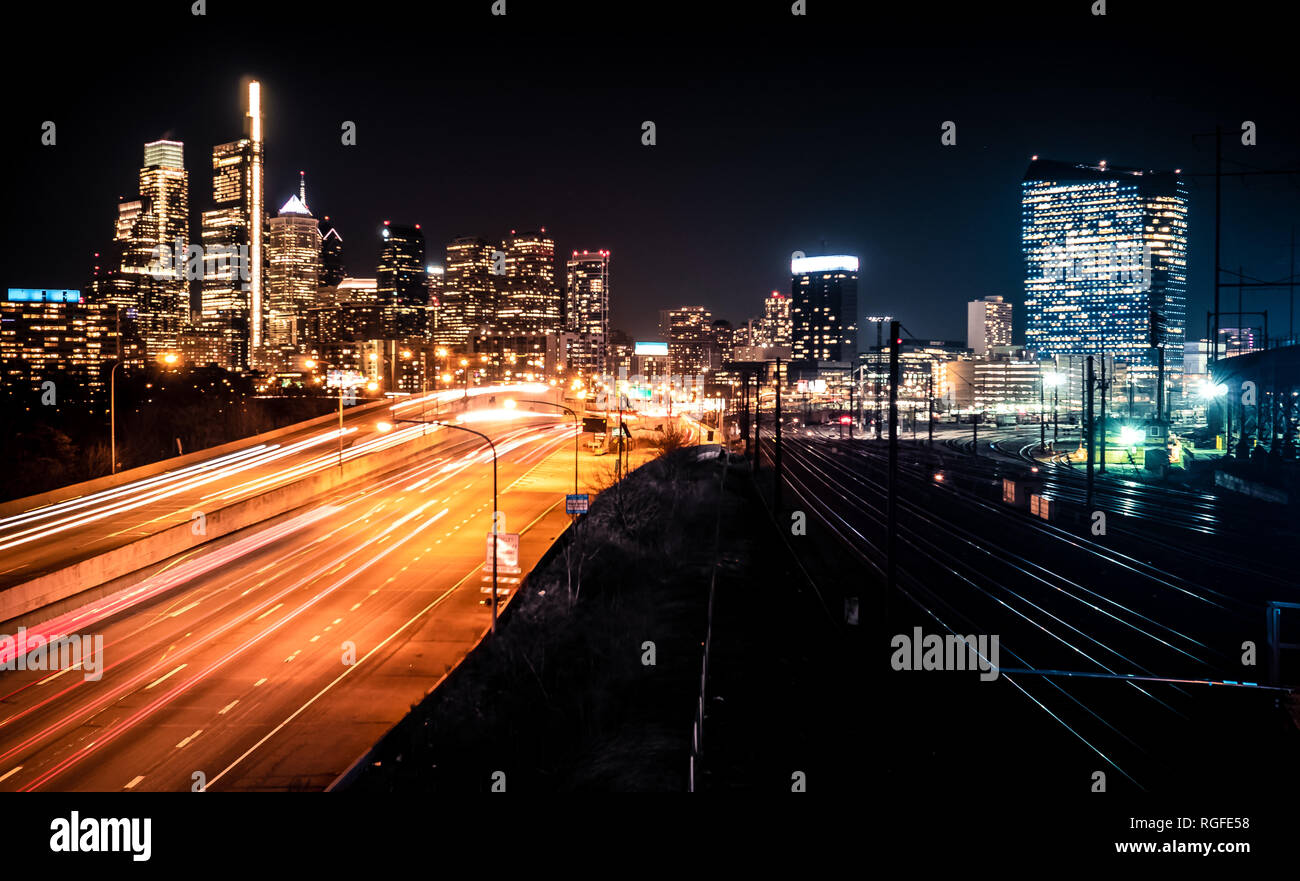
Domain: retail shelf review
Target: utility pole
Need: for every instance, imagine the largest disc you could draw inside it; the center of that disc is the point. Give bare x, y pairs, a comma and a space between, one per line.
112, 394
1088, 427
876, 360
744, 423
875, 399
758, 403
850, 403
1056, 420
1218, 202
891, 517
929, 407
776, 459
1104, 387
1042, 422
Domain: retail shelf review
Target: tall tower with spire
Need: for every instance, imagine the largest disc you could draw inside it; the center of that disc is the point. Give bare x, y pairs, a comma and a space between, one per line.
233, 244
293, 270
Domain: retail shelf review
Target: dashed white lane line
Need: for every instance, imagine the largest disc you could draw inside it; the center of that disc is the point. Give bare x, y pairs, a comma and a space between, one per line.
226, 708
9, 774
181, 745
268, 611
314, 638
259, 682
164, 677
183, 609
132, 784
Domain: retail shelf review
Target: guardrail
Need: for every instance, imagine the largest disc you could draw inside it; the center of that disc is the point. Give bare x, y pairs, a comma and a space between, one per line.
85, 575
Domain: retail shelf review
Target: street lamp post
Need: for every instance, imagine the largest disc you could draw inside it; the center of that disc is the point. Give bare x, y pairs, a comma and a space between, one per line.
494, 511
112, 392
112, 415
577, 434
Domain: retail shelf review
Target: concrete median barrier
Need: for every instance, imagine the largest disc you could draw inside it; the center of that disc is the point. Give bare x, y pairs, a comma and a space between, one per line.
84, 575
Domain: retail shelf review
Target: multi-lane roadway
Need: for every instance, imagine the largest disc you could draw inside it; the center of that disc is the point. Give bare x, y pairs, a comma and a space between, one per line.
274, 657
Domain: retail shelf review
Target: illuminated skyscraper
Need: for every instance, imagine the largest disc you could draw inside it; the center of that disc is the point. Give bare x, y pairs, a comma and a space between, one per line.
988, 324
469, 292
774, 328
530, 301
1105, 254
403, 282
691, 340
233, 233
163, 228
142, 272
55, 336
121, 272
823, 310
293, 271
224, 291
587, 309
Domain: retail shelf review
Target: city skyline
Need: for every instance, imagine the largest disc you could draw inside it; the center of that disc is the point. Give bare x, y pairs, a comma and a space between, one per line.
590, 181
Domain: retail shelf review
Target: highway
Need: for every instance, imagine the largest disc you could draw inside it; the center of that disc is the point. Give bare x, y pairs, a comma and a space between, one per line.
36, 541
274, 657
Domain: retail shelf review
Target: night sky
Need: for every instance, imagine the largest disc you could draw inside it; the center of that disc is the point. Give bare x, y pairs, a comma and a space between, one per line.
775, 133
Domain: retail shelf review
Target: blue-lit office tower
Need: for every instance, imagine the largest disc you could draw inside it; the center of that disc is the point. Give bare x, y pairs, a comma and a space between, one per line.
1105, 253
823, 312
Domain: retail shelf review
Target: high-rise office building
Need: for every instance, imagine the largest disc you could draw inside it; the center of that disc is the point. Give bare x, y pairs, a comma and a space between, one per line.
691, 346
55, 336
163, 228
530, 298
823, 310
403, 282
988, 324
469, 292
587, 309
293, 270
332, 270
233, 233
774, 328
1105, 252
142, 271
120, 277
226, 270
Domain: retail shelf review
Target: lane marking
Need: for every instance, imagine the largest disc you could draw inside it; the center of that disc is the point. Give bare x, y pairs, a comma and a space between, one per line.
164, 677
184, 609
268, 611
